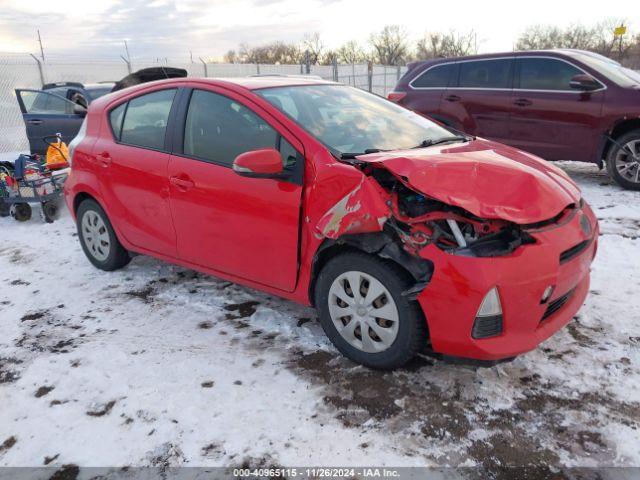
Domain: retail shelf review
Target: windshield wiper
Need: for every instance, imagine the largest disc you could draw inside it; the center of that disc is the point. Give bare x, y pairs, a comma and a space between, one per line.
352, 155
437, 141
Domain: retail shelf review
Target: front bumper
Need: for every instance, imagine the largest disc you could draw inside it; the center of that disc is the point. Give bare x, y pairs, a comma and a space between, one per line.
451, 299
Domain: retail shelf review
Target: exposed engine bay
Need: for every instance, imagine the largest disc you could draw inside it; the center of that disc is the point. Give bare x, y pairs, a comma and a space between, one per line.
419, 220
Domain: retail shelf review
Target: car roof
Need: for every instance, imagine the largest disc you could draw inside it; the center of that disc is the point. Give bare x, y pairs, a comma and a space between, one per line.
238, 84
556, 52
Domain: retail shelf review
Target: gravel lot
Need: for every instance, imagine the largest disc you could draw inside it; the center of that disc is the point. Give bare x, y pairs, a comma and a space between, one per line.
158, 365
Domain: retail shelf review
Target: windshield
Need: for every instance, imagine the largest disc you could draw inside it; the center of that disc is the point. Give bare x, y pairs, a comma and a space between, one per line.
347, 119
625, 77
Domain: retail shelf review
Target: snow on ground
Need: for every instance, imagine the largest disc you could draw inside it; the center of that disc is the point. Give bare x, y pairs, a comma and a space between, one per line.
158, 365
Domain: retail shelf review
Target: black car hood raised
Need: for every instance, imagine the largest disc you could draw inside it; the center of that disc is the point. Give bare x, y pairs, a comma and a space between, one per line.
149, 75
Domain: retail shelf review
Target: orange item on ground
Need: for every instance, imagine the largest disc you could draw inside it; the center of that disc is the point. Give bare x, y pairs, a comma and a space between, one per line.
57, 155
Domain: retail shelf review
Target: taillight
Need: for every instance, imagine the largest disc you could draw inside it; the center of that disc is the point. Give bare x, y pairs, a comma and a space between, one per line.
396, 96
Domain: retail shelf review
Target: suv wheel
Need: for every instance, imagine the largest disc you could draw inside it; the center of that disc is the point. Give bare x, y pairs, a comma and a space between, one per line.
362, 310
98, 239
623, 164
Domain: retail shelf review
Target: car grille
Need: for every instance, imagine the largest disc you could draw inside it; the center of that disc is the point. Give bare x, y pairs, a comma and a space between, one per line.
556, 305
573, 251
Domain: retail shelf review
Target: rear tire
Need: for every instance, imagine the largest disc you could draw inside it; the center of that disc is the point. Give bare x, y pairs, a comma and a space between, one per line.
50, 211
621, 165
21, 212
396, 344
98, 238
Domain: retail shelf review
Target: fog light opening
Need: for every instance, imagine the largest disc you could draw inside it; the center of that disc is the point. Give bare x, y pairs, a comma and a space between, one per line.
488, 321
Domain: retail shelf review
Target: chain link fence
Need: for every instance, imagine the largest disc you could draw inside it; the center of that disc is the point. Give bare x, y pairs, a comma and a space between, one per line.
28, 71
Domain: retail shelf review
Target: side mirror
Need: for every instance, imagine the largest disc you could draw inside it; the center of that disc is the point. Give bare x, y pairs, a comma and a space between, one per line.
263, 163
584, 82
79, 110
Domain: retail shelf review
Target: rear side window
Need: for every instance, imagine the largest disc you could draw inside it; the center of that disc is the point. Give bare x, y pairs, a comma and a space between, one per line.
545, 74
146, 119
218, 129
435, 77
115, 118
486, 74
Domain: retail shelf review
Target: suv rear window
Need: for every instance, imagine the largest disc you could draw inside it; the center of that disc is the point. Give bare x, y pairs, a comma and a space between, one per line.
545, 74
435, 77
146, 119
486, 73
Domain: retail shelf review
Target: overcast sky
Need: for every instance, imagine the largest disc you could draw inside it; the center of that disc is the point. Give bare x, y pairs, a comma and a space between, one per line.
210, 28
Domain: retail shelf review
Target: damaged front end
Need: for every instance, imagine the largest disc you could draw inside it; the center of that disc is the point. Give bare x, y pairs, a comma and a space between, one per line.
382, 202
420, 221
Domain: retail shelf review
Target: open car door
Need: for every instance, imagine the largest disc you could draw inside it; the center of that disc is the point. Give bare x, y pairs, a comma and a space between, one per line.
46, 114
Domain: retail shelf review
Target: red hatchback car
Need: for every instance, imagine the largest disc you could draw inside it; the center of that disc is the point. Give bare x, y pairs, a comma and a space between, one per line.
405, 235
558, 104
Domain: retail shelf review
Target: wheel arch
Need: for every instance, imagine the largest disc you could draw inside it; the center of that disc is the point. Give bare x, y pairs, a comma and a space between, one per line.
87, 194
380, 244
618, 129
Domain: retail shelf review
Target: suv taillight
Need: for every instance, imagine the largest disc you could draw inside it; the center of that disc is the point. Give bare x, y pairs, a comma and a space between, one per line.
396, 96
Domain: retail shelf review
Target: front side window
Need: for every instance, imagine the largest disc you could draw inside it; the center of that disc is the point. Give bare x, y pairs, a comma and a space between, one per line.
435, 77
146, 118
545, 74
486, 73
218, 129
349, 120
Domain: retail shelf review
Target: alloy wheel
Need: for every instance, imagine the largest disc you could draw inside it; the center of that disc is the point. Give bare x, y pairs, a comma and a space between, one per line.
627, 161
363, 311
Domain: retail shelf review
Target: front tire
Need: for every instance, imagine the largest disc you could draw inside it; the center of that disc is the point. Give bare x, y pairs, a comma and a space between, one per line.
98, 238
364, 314
623, 164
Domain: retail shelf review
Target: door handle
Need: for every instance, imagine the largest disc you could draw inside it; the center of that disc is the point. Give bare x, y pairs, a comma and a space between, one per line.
452, 98
104, 159
182, 183
522, 102
34, 122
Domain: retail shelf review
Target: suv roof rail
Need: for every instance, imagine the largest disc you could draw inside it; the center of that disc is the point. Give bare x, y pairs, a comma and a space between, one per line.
62, 84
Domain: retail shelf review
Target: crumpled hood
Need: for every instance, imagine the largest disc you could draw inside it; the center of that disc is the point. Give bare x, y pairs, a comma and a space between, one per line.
486, 178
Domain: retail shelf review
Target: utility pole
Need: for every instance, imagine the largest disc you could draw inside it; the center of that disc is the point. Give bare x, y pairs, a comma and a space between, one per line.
191, 55
40, 42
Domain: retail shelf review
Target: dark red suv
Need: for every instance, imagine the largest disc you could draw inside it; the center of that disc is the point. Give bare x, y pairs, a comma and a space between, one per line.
557, 104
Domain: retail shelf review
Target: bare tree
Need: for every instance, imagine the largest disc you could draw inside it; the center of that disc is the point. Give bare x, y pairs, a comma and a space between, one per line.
390, 45
231, 57
597, 38
452, 44
270, 53
351, 52
540, 37
329, 57
313, 44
